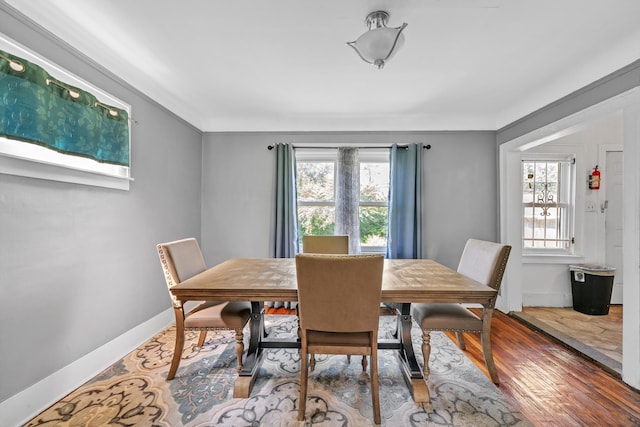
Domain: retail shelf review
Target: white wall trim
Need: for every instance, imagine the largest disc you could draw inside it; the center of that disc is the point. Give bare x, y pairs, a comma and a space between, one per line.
21, 407
631, 248
557, 299
40, 170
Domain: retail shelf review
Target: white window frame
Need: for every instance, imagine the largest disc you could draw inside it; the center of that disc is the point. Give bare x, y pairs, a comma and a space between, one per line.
375, 156
21, 158
370, 155
570, 175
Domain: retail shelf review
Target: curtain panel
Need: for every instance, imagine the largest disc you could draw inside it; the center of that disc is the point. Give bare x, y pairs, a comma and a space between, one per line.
404, 238
285, 223
39, 109
348, 197
284, 242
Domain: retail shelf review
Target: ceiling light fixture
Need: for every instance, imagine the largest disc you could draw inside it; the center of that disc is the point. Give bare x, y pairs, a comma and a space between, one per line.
380, 43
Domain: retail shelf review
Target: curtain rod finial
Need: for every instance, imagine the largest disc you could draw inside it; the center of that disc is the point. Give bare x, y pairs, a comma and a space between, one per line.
427, 147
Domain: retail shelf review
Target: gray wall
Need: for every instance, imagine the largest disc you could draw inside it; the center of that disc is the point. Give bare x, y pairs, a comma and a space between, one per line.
238, 176
77, 264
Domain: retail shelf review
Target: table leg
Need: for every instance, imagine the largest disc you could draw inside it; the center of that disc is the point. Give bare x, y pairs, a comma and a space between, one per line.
258, 341
247, 375
485, 339
413, 376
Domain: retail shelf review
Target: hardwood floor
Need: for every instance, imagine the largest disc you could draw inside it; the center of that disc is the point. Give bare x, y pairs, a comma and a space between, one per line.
597, 337
551, 383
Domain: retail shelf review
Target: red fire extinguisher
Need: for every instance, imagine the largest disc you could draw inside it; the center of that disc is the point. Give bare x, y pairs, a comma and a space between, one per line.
594, 179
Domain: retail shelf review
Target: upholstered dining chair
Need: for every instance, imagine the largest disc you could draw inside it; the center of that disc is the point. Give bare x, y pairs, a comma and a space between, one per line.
484, 262
316, 244
312, 244
180, 260
351, 285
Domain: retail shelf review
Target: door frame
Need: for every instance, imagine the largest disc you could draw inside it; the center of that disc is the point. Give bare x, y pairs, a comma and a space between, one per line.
603, 149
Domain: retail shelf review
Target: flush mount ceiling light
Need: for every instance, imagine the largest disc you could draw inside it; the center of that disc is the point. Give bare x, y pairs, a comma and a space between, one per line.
380, 43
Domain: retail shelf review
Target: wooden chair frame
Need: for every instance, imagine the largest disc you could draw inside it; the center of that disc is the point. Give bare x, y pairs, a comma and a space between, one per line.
351, 326
180, 260
484, 262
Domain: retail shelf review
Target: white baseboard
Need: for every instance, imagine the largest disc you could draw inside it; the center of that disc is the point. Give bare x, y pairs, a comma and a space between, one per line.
22, 407
547, 300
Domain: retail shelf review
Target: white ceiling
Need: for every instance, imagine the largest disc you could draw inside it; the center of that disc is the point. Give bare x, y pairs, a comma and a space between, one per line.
282, 65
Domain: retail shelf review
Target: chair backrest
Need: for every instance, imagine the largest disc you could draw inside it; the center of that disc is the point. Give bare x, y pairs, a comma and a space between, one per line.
325, 244
180, 260
339, 293
484, 261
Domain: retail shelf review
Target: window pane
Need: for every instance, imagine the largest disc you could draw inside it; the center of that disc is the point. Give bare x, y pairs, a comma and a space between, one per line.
527, 182
315, 181
545, 207
528, 227
316, 220
373, 225
374, 182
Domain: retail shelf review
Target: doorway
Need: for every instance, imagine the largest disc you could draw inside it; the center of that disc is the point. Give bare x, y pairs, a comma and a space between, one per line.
627, 105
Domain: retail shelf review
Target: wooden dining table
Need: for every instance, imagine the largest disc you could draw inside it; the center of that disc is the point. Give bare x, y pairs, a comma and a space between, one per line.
404, 281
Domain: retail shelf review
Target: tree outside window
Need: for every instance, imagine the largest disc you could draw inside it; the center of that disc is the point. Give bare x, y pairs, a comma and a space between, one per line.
315, 181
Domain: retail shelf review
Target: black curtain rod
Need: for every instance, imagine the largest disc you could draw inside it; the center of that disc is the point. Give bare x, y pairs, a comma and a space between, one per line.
426, 147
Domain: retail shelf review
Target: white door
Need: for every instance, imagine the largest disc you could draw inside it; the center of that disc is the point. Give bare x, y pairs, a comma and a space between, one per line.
613, 220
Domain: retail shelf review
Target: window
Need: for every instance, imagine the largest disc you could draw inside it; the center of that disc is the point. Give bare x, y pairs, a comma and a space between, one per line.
548, 201
57, 126
315, 180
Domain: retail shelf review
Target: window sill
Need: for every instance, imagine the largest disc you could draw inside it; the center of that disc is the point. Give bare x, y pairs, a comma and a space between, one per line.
551, 259
21, 167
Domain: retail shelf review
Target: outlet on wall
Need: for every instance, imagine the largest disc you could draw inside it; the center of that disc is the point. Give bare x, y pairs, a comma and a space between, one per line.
590, 206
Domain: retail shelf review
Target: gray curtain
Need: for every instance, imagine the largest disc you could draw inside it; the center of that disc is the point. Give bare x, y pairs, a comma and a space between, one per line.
405, 202
285, 225
348, 197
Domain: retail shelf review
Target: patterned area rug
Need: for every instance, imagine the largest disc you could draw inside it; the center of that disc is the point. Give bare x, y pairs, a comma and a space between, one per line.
134, 391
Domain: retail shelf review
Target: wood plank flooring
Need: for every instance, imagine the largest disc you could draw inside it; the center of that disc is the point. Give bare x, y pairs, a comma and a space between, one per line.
597, 337
550, 383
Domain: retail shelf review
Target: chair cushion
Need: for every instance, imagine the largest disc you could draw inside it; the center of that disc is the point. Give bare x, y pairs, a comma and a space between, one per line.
215, 314
445, 317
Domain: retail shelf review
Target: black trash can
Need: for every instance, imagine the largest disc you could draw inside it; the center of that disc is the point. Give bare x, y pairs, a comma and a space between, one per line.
591, 286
